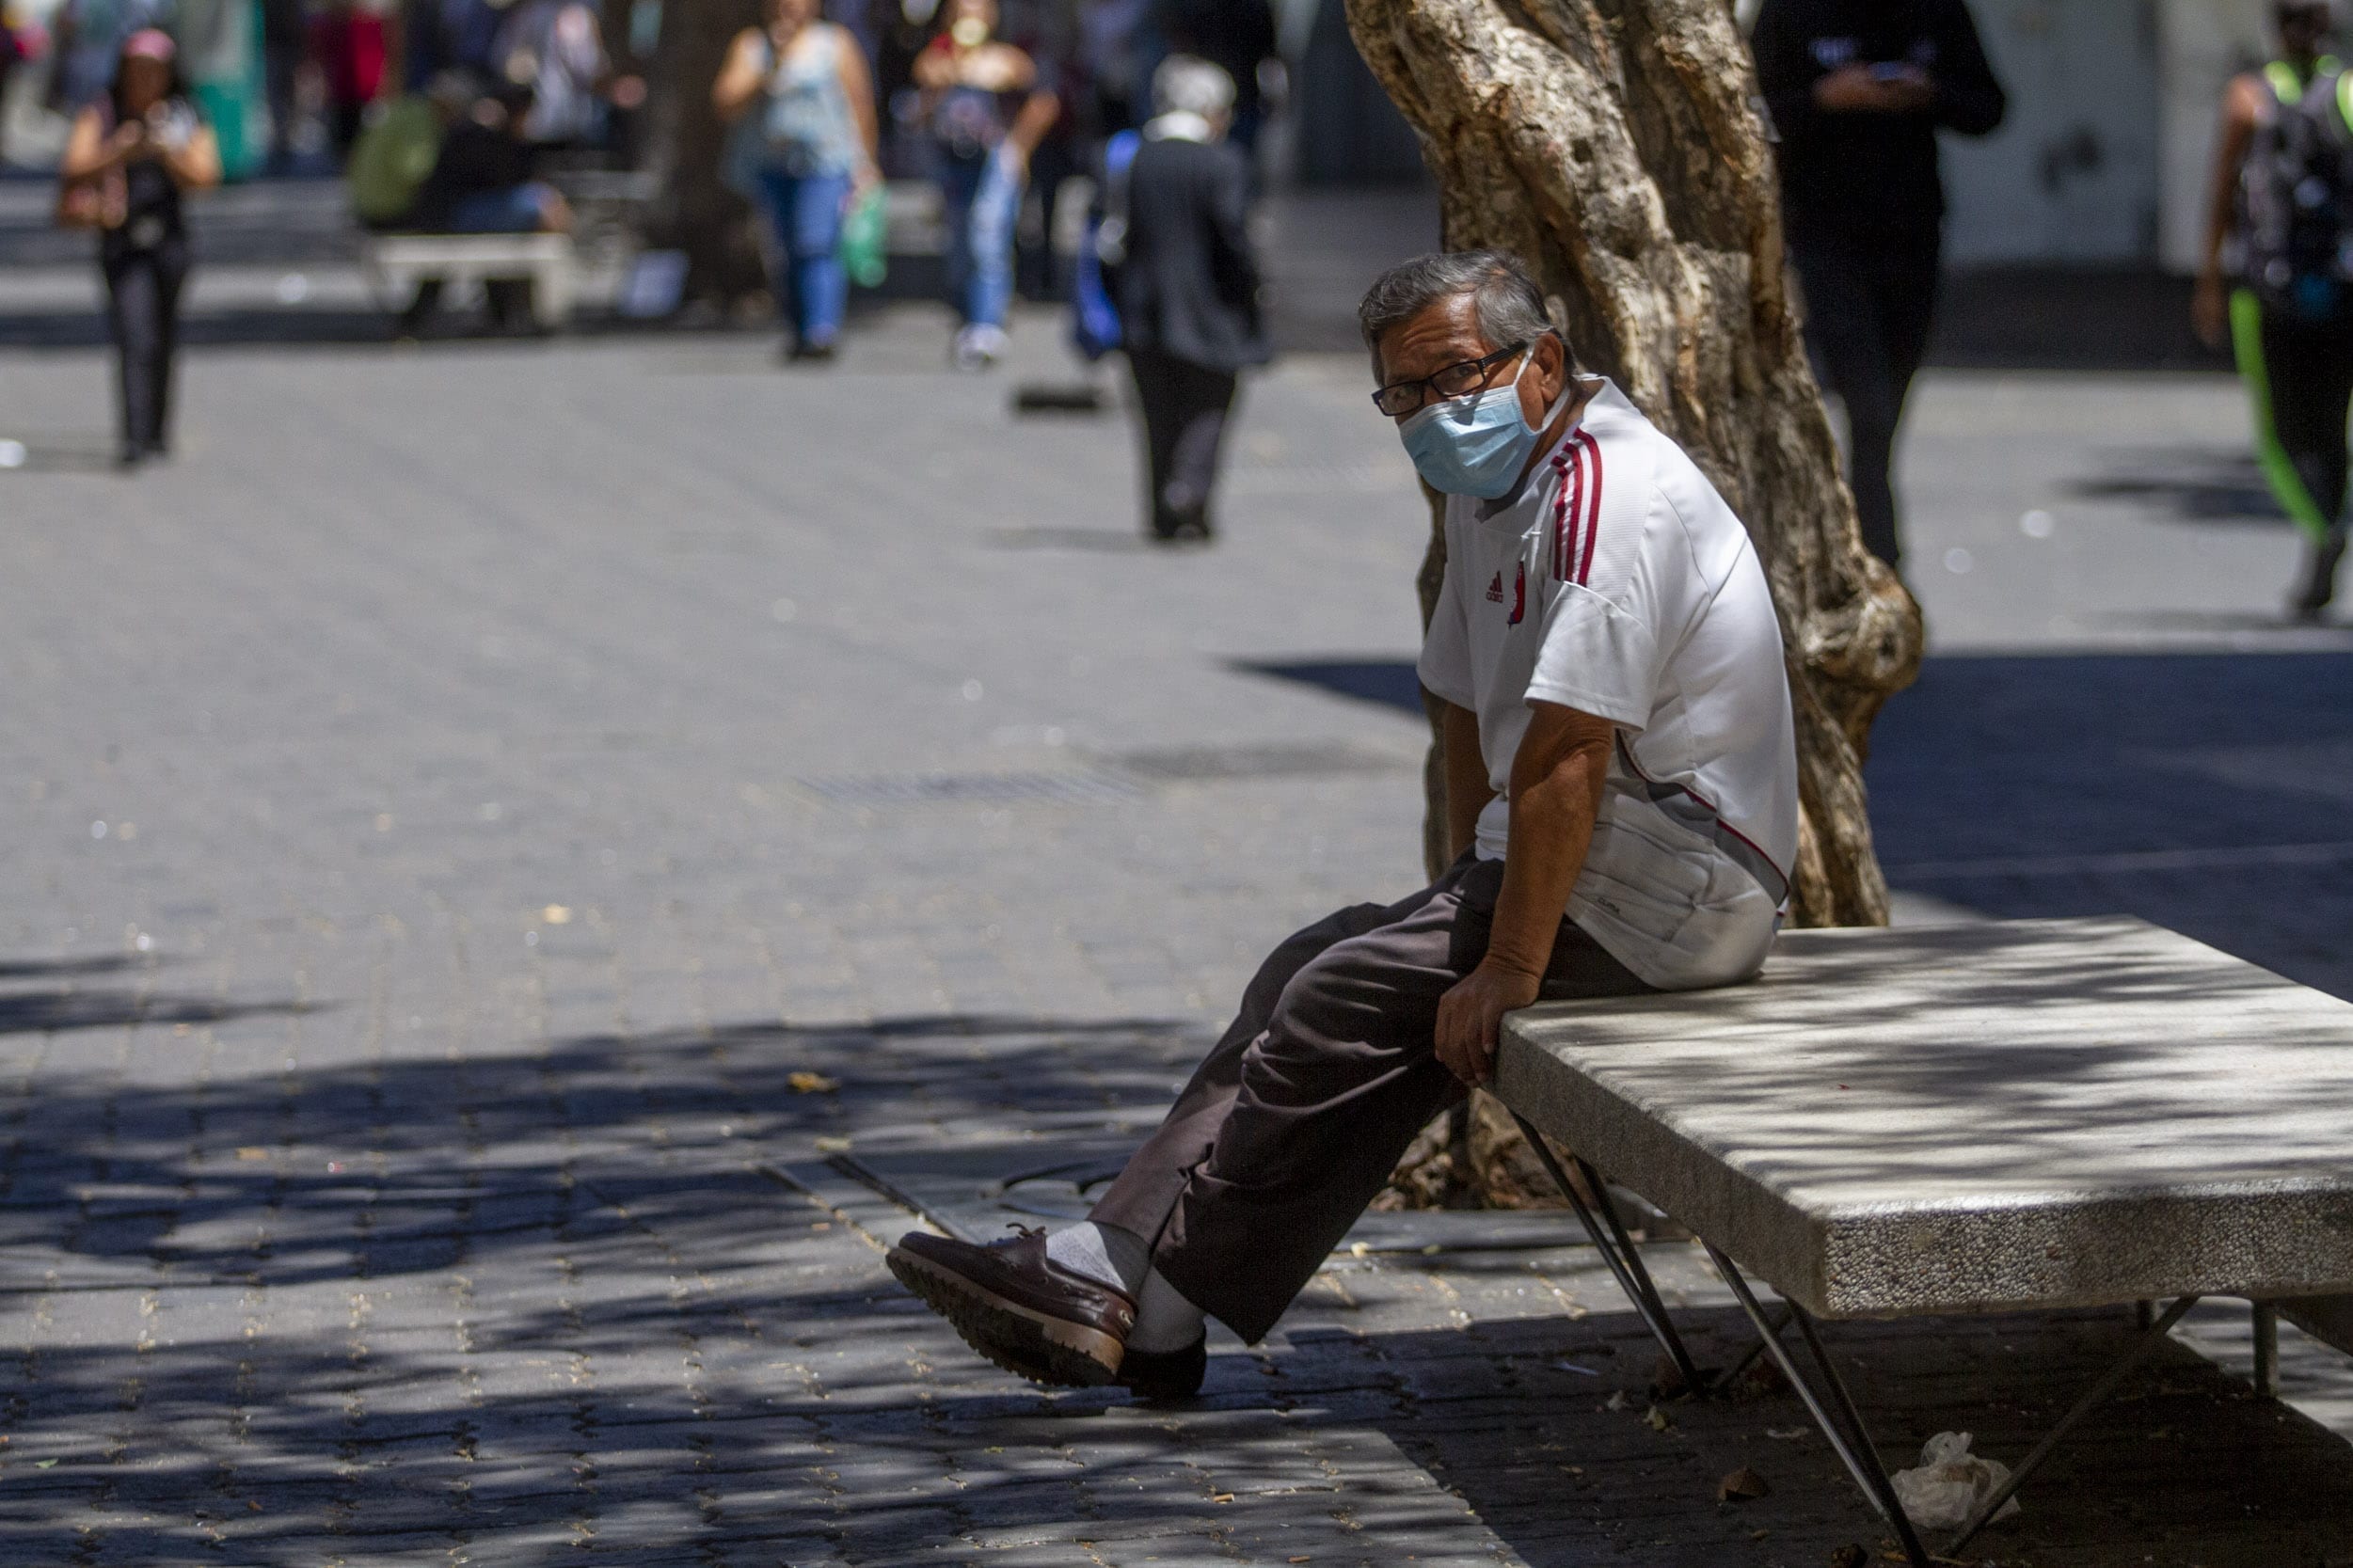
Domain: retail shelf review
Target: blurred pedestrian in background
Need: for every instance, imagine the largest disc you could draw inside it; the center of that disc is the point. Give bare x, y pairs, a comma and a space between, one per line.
1238, 37
285, 49
438, 36
86, 41
1188, 288
349, 42
1117, 96
1858, 89
803, 148
2280, 224
984, 114
11, 55
558, 46
131, 153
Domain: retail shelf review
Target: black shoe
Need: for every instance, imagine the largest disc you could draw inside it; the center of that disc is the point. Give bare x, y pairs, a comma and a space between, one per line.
1165, 1374
2320, 586
809, 354
130, 456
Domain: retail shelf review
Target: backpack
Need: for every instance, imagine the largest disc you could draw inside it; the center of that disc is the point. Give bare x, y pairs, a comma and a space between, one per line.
391, 161
2295, 194
1094, 313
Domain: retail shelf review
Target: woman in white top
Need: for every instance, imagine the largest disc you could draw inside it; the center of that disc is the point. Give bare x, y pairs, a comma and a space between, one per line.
805, 148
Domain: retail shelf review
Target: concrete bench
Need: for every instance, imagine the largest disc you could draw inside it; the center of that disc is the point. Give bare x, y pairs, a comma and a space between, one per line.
1966, 1119
398, 263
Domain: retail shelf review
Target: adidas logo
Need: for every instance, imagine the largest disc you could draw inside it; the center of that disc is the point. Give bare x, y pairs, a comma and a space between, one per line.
1495, 590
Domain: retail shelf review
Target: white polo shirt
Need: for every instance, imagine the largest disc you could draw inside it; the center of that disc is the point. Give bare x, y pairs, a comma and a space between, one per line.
1617, 582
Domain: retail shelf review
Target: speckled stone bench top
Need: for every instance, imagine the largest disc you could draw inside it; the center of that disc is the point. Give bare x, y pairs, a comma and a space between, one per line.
1973, 1119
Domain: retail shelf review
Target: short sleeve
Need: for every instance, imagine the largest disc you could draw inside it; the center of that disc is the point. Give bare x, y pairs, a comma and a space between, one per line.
1446, 663
1598, 657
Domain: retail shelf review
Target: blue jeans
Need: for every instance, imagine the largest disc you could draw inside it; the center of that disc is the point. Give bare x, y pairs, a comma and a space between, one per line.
516, 210
806, 211
981, 202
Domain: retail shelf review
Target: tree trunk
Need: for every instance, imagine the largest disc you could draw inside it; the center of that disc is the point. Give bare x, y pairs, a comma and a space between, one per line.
1619, 146
694, 211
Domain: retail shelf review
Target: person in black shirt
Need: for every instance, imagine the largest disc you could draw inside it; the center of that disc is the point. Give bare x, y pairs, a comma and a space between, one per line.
130, 154
1857, 90
1187, 289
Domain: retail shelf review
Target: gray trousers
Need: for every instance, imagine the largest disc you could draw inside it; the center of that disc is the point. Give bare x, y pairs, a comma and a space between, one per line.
1300, 1113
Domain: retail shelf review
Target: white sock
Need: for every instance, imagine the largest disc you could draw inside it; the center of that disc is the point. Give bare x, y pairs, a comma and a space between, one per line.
1103, 1253
1165, 1321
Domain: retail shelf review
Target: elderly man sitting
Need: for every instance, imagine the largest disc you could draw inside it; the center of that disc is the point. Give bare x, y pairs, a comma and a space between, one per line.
1621, 791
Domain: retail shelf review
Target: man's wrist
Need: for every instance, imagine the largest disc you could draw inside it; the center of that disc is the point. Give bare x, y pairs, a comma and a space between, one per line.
1508, 963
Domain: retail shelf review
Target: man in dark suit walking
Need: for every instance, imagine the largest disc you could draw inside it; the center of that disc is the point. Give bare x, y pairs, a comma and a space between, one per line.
1187, 289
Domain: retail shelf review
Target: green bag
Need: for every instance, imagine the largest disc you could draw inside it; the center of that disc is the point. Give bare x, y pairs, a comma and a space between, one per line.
863, 238
392, 159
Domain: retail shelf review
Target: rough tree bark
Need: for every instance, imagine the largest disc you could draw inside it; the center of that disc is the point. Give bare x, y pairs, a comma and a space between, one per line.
1619, 146
693, 210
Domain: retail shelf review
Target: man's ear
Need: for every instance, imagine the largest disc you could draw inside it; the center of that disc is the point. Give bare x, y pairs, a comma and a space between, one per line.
1552, 360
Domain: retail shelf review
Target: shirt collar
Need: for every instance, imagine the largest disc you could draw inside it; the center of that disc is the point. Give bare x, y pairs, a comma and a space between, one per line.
1178, 125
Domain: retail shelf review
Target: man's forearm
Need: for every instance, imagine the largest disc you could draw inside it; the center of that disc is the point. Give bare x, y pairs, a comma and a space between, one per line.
1552, 829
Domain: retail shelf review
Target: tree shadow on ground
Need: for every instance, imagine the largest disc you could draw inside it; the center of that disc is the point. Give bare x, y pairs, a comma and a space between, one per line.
2200, 484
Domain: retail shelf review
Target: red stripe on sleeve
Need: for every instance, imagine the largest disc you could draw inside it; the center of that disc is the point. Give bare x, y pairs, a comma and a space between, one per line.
1592, 519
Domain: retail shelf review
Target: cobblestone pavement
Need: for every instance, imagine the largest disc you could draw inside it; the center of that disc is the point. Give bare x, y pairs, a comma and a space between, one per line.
481, 811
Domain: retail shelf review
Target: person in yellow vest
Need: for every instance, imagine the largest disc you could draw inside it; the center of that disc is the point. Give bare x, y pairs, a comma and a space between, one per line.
2277, 280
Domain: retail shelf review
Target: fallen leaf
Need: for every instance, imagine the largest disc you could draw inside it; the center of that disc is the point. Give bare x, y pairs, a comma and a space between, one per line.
44, 1464
1358, 1249
254, 1503
1432, 1250
1221, 1496
1296, 1559
250, 1154
832, 1145
555, 915
1759, 1534
1740, 1486
811, 1082
1657, 1420
1618, 1400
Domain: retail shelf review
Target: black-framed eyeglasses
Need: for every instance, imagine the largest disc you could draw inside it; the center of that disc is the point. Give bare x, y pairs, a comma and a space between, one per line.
1458, 380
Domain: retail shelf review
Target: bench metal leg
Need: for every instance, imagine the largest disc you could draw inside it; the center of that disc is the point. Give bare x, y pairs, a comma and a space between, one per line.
2267, 1348
1617, 1250
2143, 1342
1848, 1436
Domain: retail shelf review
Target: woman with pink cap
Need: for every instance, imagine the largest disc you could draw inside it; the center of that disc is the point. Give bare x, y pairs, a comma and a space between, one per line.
134, 149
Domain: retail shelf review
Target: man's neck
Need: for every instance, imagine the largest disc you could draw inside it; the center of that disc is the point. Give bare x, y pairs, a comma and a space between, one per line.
1581, 395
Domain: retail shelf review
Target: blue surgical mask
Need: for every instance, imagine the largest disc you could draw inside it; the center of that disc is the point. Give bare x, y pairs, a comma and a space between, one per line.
1476, 445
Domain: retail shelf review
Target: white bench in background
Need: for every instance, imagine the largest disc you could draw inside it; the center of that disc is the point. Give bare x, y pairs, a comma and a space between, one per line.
398, 263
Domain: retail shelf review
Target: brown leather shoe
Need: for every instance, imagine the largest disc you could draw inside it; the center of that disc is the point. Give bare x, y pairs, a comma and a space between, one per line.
1018, 1308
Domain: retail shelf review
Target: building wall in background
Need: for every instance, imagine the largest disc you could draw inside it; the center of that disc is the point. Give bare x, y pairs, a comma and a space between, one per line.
2204, 42
2071, 176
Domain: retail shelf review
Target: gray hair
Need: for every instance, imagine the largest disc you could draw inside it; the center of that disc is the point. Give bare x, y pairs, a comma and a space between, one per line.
1188, 85
1509, 304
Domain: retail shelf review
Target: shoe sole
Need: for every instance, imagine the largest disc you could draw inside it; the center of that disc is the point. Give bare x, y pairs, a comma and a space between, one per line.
1023, 1341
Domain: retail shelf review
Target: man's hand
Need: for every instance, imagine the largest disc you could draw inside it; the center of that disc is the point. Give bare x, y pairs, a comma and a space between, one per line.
1469, 1016
1867, 89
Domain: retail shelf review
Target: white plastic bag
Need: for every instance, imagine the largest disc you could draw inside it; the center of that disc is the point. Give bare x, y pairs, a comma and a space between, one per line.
1949, 1484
